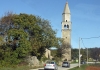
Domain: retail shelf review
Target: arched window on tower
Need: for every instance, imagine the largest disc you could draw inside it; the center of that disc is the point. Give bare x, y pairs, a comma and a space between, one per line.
67, 26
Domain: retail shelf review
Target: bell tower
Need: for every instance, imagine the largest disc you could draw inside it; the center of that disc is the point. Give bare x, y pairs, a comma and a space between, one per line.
66, 33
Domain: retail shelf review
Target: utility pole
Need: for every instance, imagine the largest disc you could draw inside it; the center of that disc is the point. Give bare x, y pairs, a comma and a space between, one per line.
79, 52
87, 55
84, 46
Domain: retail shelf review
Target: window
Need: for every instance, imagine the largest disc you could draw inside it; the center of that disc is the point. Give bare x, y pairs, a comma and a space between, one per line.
65, 27
68, 26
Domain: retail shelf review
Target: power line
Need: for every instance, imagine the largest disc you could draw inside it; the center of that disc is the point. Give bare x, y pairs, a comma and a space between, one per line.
91, 37
83, 42
88, 38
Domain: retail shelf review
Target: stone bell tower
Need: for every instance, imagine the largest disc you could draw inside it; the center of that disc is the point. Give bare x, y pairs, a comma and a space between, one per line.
66, 33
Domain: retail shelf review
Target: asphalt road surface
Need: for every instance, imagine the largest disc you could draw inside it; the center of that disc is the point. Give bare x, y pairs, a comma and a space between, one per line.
60, 67
71, 66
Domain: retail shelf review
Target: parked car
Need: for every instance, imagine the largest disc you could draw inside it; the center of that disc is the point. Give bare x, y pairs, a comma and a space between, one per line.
83, 62
65, 64
50, 65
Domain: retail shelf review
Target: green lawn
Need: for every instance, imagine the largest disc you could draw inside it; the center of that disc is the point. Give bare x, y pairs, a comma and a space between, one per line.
83, 67
15, 68
20, 68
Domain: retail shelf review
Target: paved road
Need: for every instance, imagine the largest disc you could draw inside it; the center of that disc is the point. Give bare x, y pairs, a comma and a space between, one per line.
61, 68
71, 66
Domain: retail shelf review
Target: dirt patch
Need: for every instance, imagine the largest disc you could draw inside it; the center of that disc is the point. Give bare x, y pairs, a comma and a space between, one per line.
92, 68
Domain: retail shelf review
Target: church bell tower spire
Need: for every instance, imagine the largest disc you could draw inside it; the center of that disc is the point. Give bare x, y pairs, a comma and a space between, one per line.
66, 33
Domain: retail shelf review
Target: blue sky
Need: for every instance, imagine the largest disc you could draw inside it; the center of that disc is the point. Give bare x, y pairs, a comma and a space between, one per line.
85, 16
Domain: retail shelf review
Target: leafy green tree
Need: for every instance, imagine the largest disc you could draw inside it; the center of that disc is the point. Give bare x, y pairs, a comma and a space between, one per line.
27, 34
1, 40
84, 54
95, 53
20, 42
74, 54
57, 53
45, 37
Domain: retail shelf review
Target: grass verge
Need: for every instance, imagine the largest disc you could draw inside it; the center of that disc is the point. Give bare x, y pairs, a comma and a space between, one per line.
15, 68
83, 67
20, 68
